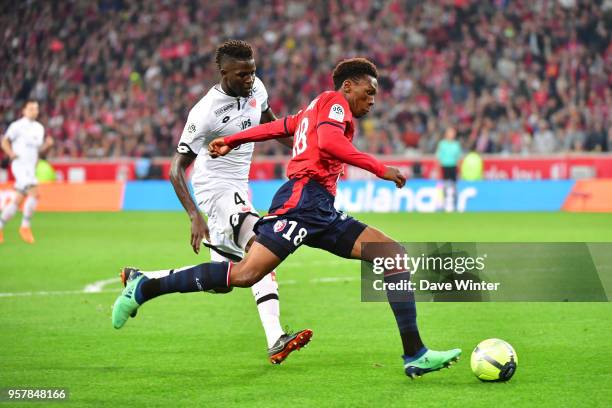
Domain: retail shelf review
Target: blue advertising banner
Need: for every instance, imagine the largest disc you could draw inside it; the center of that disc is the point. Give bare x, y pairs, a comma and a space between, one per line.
153, 195
428, 196
382, 196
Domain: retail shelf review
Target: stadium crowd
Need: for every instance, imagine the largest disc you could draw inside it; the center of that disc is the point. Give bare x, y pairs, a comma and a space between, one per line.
116, 78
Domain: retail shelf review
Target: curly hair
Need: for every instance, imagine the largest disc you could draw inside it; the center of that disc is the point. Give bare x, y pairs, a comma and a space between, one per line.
236, 49
353, 69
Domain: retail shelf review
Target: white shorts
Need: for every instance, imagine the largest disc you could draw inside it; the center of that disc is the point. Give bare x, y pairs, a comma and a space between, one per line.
227, 209
25, 175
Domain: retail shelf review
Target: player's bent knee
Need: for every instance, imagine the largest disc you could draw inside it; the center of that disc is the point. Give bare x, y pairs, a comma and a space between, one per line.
245, 280
246, 274
258, 262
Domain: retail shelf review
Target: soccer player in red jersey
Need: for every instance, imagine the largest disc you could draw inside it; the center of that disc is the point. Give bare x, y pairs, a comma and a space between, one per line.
302, 211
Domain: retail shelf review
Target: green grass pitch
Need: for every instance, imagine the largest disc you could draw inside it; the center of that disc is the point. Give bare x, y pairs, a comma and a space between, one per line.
209, 350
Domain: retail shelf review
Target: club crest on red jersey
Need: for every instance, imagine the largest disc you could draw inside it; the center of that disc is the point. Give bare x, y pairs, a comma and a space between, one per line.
280, 225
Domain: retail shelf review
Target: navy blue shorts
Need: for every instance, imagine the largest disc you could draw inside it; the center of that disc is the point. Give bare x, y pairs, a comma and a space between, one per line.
303, 213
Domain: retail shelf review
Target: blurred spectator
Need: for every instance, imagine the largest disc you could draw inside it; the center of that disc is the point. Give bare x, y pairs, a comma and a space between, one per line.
597, 140
117, 78
544, 139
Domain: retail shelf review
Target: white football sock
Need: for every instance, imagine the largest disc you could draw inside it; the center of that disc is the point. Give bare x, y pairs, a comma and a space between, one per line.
266, 295
28, 210
8, 212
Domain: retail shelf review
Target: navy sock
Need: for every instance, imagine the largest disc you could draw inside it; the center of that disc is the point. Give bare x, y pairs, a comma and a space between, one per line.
404, 309
210, 277
416, 356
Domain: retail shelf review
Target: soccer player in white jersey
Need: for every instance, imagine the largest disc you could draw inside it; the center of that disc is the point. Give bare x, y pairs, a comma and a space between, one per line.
23, 141
220, 186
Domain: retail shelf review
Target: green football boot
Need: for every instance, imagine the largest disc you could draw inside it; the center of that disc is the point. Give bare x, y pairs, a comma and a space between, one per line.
126, 305
430, 361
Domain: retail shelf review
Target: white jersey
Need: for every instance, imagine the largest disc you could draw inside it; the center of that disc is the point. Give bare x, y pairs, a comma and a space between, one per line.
26, 137
218, 114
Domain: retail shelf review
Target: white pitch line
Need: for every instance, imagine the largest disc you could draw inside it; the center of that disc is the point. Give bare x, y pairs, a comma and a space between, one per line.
52, 293
98, 286
335, 279
287, 282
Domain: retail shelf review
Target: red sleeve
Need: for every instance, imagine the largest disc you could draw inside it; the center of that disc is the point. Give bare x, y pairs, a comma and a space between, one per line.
334, 110
333, 142
272, 130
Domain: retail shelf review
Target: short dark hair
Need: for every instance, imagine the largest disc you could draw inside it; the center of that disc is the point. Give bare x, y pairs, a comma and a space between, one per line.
353, 69
29, 100
237, 49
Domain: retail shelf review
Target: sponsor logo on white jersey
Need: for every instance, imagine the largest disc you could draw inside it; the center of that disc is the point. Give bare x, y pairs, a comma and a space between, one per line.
224, 109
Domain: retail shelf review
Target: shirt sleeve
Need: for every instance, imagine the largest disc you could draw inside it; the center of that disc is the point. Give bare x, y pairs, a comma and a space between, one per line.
335, 111
11, 132
276, 129
265, 105
333, 142
262, 95
194, 133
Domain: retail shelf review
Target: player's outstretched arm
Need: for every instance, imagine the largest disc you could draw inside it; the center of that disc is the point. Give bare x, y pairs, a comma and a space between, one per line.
218, 147
269, 116
333, 142
199, 228
277, 129
393, 174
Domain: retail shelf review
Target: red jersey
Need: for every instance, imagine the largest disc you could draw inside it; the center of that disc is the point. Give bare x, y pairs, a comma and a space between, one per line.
322, 143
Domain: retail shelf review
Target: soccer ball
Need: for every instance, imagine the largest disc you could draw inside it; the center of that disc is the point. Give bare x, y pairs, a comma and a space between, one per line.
494, 360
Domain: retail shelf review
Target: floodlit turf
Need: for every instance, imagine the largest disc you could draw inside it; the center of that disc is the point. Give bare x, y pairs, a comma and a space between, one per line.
209, 350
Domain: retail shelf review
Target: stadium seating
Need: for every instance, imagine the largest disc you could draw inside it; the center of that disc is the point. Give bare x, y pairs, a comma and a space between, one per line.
117, 78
